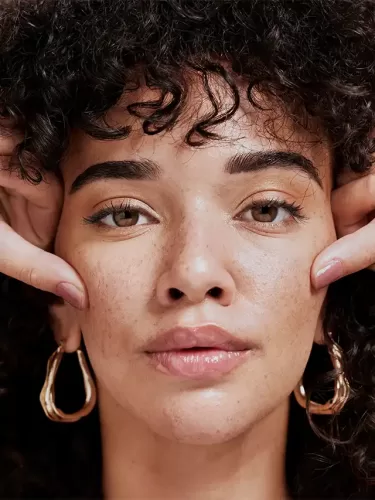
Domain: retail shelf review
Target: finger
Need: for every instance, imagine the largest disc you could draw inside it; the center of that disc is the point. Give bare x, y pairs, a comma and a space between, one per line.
36, 225
44, 202
25, 221
21, 260
352, 203
43, 195
349, 254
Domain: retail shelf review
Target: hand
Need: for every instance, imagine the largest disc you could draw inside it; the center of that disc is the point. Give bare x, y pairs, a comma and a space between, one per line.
353, 206
29, 215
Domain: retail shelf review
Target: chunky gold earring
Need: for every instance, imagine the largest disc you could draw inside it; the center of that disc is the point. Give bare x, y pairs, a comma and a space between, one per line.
342, 387
47, 395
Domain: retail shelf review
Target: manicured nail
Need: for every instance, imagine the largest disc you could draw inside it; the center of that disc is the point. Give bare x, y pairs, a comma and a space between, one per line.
329, 273
70, 294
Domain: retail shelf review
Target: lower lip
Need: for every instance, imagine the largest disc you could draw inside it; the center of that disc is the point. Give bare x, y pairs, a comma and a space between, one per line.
197, 363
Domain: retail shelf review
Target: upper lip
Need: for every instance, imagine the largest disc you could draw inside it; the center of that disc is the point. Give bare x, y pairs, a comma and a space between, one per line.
209, 336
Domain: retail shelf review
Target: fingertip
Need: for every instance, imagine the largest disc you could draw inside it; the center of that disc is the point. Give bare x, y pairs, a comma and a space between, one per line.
71, 294
328, 273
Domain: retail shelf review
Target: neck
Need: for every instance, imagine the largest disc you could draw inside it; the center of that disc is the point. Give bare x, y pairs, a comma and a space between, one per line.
138, 464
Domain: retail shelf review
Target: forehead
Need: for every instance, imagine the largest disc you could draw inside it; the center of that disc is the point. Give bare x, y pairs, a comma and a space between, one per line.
249, 130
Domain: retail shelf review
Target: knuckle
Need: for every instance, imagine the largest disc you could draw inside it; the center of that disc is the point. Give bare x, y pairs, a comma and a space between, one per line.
30, 275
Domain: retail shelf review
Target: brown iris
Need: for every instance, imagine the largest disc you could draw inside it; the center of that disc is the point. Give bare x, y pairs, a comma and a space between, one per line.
126, 218
264, 214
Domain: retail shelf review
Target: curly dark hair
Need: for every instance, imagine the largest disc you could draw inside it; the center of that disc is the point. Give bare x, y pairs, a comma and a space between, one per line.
64, 64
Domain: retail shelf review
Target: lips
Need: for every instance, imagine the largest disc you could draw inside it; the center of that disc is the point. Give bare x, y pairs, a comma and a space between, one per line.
203, 337
204, 352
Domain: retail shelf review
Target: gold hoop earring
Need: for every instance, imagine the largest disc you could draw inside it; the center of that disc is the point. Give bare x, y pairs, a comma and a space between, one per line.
47, 395
342, 387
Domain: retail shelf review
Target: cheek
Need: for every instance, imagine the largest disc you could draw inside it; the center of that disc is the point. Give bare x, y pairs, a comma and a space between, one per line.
283, 304
119, 279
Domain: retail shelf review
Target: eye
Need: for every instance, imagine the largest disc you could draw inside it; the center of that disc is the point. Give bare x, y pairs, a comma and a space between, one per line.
267, 214
124, 215
125, 218
272, 212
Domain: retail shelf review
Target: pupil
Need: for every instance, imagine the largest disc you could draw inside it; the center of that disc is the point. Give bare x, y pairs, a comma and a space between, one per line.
265, 214
126, 218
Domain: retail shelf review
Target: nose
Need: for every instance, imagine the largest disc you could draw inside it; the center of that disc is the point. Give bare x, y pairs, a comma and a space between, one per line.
196, 272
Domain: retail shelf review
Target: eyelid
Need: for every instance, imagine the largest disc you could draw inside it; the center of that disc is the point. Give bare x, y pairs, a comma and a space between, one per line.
269, 197
117, 205
266, 194
129, 204
124, 200
294, 209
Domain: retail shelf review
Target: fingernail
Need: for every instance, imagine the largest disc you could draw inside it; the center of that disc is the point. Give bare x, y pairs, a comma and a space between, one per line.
329, 273
70, 294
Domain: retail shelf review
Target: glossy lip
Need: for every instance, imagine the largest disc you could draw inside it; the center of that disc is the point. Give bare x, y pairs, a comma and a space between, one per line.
207, 336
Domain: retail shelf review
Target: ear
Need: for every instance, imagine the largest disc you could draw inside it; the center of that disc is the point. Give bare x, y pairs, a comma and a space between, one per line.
65, 326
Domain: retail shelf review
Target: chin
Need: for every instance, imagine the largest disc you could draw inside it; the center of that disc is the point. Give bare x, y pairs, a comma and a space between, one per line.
203, 417
216, 434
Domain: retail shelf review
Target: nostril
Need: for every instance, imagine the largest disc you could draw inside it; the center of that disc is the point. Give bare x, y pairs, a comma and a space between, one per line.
215, 292
175, 294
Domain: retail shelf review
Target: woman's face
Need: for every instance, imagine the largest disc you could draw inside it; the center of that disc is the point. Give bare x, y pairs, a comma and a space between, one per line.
219, 236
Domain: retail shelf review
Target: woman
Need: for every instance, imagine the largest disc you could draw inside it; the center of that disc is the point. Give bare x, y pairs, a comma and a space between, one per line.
198, 159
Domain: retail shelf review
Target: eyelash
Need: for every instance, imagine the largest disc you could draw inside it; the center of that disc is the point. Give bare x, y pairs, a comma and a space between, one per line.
294, 209
114, 209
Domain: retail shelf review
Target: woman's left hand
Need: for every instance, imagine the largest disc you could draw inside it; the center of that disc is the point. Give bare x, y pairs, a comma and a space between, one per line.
353, 206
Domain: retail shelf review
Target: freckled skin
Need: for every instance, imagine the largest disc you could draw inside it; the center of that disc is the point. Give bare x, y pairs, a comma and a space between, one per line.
196, 245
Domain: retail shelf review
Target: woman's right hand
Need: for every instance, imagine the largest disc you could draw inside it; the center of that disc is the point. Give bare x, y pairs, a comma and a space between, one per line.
29, 215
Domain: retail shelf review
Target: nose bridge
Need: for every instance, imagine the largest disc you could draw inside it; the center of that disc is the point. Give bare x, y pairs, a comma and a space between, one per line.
197, 248
196, 262
194, 232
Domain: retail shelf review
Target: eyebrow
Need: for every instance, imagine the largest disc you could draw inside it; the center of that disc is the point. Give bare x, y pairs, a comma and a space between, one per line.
240, 163
125, 169
261, 160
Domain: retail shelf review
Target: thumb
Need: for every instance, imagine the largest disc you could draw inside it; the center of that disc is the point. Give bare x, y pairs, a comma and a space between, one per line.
25, 262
